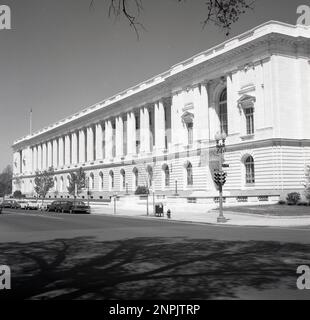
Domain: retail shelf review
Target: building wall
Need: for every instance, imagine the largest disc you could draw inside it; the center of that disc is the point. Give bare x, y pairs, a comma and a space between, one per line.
269, 74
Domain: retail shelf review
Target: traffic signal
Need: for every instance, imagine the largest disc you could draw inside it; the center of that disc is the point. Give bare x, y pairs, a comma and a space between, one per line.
223, 178
217, 177
220, 177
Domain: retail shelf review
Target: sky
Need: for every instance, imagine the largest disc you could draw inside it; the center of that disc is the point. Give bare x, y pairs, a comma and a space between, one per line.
60, 57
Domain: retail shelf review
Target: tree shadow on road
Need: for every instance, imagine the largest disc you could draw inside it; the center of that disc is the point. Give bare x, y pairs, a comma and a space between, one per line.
148, 268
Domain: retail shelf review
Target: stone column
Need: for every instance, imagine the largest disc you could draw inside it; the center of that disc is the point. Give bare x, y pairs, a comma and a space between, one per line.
145, 130
39, 157
119, 137
108, 139
55, 153
61, 151
142, 131
35, 158
159, 126
32, 159
74, 148
99, 141
131, 133
67, 150
201, 119
82, 146
44, 156
50, 154
176, 133
90, 144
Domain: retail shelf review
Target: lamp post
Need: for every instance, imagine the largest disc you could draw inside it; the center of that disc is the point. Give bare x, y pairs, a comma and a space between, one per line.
87, 181
220, 139
176, 187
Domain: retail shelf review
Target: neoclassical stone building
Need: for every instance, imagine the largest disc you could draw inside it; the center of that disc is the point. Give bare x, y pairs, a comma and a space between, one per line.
254, 87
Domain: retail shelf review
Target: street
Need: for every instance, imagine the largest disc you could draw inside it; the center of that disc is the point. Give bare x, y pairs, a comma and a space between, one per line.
62, 256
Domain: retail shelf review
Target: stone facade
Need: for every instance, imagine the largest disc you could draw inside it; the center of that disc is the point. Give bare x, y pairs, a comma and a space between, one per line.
255, 87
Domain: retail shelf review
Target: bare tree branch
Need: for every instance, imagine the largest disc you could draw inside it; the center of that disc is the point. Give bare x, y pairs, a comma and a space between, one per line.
222, 13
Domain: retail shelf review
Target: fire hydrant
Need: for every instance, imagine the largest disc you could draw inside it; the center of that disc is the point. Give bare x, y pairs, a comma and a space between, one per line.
168, 214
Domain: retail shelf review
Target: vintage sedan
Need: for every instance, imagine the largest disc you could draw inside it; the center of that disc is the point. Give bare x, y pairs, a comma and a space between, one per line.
70, 206
23, 204
33, 205
10, 204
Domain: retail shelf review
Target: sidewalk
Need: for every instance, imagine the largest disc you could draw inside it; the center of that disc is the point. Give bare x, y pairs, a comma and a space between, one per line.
209, 217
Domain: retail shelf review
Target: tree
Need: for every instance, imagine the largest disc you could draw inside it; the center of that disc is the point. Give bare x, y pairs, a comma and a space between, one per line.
307, 183
222, 13
44, 182
77, 181
6, 181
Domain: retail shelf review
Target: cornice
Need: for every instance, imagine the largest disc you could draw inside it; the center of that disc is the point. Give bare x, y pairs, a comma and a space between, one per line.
270, 34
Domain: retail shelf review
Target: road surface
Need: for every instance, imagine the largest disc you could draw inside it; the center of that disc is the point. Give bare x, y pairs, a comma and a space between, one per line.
63, 256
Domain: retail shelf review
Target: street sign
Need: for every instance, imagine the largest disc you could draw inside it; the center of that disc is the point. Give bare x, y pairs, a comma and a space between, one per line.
225, 165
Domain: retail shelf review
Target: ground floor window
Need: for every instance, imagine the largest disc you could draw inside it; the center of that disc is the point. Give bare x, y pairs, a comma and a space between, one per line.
249, 170
189, 175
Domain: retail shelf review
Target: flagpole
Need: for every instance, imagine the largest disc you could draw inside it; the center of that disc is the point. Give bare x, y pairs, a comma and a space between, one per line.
30, 124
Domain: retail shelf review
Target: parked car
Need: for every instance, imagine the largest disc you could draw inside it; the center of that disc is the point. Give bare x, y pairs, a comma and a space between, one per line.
11, 204
23, 204
70, 206
33, 205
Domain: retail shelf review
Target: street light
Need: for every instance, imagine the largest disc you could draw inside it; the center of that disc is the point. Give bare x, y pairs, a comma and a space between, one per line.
87, 181
220, 176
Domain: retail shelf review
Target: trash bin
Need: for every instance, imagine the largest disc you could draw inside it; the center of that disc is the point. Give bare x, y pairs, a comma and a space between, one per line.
159, 209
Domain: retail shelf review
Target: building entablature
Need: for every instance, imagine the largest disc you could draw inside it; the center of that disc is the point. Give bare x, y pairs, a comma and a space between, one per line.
226, 58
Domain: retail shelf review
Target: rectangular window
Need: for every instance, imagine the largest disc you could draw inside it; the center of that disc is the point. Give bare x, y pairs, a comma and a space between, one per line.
249, 115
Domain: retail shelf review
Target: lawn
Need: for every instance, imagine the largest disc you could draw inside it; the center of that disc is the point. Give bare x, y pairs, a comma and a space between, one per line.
273, 210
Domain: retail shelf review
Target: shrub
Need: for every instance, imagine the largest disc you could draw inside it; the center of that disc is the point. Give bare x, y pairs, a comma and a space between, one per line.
17, 194
303, 203
293, 198
142, 190
282, 202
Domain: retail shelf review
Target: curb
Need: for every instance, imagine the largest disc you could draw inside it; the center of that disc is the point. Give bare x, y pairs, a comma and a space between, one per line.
144, 217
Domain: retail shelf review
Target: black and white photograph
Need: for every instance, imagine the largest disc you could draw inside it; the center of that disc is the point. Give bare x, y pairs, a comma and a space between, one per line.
154, 155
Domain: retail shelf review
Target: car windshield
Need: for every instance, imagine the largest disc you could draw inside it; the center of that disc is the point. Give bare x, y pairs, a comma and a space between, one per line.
80, 203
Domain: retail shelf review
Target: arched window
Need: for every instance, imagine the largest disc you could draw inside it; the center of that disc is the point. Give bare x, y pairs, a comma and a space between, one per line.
135, 173
223, 112
67, 181
166, 175
249, 170
123, 179
111, 180
101, 181
189, 174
